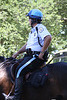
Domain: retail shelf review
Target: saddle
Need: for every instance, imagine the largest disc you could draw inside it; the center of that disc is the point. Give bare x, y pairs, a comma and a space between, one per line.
13, 69
35, 79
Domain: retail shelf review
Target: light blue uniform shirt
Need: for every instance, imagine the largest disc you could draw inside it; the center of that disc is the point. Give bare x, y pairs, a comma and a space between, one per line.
33, 37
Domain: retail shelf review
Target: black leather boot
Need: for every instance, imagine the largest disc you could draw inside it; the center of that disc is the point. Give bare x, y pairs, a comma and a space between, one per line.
18, 88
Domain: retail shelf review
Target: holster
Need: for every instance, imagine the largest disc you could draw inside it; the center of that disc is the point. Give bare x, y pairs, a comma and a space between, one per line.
45, 57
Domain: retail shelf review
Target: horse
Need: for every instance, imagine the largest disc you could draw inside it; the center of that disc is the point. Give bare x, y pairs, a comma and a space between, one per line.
53, 88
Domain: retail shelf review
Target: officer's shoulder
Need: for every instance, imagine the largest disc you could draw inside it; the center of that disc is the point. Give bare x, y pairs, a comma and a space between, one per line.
41, 28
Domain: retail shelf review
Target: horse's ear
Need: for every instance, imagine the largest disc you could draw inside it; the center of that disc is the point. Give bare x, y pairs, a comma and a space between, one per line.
2, 58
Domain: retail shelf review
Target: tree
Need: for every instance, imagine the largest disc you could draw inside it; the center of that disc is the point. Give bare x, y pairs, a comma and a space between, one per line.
14, 26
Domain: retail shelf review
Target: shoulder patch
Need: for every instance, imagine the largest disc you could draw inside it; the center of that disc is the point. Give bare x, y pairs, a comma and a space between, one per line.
41, 29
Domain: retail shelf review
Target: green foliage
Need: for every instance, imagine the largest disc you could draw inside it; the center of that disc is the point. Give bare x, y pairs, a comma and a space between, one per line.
14, 25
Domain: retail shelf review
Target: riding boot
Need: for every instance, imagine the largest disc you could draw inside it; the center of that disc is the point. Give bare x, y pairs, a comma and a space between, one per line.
18, 88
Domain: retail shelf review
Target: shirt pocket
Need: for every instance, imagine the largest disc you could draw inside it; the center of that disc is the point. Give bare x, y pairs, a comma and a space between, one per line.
35, 35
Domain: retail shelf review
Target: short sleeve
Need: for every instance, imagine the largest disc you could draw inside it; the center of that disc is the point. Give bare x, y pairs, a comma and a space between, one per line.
43, 32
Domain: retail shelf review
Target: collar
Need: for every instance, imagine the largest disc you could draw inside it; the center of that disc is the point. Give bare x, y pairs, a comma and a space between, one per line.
34, 28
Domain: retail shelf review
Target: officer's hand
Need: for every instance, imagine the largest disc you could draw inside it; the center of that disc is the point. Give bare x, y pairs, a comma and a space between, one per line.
41, 56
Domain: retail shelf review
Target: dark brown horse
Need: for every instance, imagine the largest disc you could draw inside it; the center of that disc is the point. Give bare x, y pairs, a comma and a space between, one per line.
54, 87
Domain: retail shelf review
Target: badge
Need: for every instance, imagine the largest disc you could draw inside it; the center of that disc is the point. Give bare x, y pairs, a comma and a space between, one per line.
34, 34
41, 29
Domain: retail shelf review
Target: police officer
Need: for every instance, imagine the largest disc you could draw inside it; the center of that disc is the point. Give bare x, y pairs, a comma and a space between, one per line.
35, 48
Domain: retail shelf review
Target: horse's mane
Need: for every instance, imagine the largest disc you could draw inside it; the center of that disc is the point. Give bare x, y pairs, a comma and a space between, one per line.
8, 62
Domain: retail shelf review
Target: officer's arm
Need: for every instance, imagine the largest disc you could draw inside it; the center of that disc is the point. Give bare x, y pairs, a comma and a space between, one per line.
20, 51
47, 41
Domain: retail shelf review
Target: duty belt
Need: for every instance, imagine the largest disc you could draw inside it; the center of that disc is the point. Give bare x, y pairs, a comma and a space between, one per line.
29, 51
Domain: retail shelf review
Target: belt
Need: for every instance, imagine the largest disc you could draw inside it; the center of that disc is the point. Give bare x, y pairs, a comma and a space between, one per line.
28, 51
